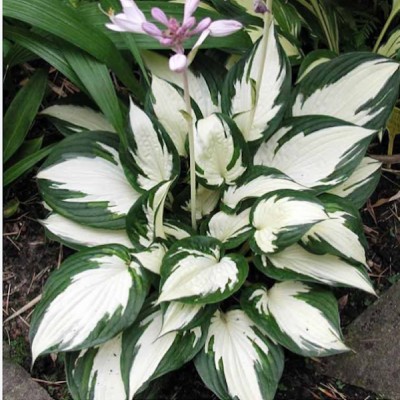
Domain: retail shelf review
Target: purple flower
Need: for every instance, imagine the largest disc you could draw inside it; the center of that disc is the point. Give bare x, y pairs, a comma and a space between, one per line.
174, 33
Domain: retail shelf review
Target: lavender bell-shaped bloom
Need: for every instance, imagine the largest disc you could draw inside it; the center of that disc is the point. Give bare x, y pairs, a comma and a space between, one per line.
175, 33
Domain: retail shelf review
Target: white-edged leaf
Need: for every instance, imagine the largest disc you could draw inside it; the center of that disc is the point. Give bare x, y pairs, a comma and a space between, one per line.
372, 81
315, 151
168, 105
154, 157
83, 180
294, 262
238, 361
195, 271
78, 235
336, 235
175, 230
361, 183
151, 257
94, 295
145, 221
80, 117
230, 229
206, 201
281, 218
219, 151
147, 355
178, 316
258, 182
392, 46
302, 317
291, 47
199, 91
312, 60
265, 67
95, 373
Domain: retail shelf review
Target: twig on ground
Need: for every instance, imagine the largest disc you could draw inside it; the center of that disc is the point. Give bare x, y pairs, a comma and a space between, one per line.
24, 308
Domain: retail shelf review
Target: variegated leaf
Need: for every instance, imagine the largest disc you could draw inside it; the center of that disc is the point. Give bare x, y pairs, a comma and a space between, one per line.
81, 118
199, 89
195, 271
175, 230
256, 89
183, 317
312, 60
151, 257
341, 234
302, 317
206, 201
296, 263
281, 218
220, 151
95, 374
168, 105
362, 182
238, 361
147, 355
257, 182
230, 229
392, 46
77, 236
83, 180
154, 156
93, 296
317, 152
373, 82
145, 221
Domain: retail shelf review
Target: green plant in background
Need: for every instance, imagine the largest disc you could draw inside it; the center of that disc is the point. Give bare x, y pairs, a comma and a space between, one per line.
218, 248
21, 154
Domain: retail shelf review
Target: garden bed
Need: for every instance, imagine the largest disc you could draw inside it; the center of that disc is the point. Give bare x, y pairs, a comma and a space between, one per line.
29, 257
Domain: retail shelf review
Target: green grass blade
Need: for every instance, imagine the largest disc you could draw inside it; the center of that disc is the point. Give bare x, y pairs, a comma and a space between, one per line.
21, 113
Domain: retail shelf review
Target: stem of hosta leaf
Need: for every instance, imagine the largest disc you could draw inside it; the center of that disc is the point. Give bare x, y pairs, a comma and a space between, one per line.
192, 161
264, 43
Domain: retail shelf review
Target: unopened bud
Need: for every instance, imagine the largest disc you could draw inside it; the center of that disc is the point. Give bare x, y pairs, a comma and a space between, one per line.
260, 7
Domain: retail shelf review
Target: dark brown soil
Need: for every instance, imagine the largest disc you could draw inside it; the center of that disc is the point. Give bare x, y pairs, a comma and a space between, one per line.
29, 257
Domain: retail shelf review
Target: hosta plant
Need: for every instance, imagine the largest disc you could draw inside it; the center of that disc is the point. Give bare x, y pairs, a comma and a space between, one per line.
213, 229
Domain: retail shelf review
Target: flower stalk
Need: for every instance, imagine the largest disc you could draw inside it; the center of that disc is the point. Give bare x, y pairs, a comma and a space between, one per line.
192, 159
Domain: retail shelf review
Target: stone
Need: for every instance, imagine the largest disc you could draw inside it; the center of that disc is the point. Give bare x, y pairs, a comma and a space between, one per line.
18, 384
374, 337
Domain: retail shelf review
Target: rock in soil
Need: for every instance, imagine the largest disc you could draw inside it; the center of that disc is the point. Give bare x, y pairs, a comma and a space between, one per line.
18, 385
374, 336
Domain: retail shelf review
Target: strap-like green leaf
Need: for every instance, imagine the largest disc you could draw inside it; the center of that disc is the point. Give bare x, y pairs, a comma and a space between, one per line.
62, 21
24, 165
93, 296
95, 77
21, 113
302, 317
44, 48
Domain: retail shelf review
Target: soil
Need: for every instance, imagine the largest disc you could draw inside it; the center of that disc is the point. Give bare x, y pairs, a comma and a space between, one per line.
29, 257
